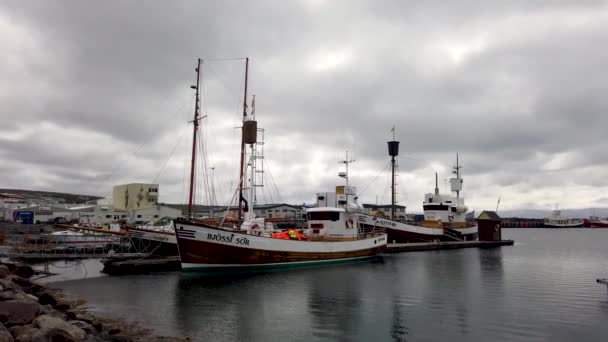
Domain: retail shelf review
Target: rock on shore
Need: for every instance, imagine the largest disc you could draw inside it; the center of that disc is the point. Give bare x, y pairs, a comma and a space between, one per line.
30, 312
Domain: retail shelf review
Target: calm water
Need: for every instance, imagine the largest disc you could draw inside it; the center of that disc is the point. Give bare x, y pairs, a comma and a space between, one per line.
541, 289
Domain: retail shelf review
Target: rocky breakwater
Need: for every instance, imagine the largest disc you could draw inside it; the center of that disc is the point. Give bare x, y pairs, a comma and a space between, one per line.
30, 312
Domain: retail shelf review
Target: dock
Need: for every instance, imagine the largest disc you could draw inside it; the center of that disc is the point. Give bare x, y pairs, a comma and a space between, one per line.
431, 246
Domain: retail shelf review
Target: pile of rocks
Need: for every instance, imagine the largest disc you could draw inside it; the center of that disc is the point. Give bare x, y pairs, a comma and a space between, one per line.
30, 312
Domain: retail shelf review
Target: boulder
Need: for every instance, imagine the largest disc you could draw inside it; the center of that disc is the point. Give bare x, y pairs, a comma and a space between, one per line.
7, 284
88, 328
94, 338
30, 334
25, 283
62, 306
24, 271
58, 329
11, 267
45, 297
15, 312
17, 295
5, 336
4, 271
49, 310
118, 339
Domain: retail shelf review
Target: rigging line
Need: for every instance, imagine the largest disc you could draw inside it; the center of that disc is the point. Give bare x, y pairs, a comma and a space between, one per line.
120, 166
223, 59
169, 157
273, 182
205, 168
230, 89
374, 179
184, 175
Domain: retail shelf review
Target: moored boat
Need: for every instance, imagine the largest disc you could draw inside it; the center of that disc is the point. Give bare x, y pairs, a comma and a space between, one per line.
328, 240
597, 222
154, 240
253, 244
557, 220
445, 216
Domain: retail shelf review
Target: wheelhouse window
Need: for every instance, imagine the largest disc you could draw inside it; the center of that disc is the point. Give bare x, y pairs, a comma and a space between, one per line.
324, 216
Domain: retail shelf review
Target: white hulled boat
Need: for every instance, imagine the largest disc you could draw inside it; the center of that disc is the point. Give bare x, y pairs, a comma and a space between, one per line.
445, 217
556, 220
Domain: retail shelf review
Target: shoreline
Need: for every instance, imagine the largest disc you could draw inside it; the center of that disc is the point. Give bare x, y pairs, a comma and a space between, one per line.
33, 311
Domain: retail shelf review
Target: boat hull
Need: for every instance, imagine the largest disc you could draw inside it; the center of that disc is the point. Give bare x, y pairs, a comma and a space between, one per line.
154, 242
599, 224
399, 232
570, 225
210, 249
405, 236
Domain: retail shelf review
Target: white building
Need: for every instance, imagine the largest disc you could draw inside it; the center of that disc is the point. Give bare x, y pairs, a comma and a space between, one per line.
103, 214
134, 196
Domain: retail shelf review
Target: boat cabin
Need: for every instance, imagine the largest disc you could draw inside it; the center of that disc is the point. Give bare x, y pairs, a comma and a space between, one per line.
331, 222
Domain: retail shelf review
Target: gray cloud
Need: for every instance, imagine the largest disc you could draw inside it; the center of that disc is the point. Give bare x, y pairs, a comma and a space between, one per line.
97, 94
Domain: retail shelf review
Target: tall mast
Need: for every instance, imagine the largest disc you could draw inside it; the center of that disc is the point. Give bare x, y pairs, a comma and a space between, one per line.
393, 151
457, 186
194, 136
242, 142
436, 184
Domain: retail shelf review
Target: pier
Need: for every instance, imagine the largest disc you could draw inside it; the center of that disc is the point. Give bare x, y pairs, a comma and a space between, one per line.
431, 246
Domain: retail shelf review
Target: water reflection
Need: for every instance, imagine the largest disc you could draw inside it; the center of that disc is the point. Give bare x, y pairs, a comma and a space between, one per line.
529, 292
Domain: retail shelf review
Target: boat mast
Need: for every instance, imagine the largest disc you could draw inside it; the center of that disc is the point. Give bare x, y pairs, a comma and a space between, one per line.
346, 161
194, 136
436, 185
393, 151
243, 142
457, 173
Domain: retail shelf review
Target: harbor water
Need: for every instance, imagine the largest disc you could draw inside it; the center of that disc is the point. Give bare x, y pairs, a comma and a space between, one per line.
541, 289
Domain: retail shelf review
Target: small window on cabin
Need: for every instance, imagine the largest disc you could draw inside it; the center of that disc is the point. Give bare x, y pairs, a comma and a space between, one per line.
123, 216
342, 202
431, 200
321, 198
138, 216
155, 216
324, 216
108, 216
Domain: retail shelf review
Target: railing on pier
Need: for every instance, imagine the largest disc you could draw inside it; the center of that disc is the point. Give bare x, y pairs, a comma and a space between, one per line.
85, 245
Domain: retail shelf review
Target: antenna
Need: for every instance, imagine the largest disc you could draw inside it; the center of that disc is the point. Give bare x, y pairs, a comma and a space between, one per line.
456, 183
346, 161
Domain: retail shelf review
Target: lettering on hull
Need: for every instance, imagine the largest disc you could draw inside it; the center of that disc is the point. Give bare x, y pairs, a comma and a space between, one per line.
241, 241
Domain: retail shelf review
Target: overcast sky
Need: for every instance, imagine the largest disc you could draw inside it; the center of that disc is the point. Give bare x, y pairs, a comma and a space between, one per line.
94, 94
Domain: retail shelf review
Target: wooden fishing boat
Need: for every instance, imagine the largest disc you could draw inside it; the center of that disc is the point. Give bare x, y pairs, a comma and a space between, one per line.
252, 244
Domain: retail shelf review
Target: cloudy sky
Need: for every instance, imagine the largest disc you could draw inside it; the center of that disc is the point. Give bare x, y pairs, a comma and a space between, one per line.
94, 94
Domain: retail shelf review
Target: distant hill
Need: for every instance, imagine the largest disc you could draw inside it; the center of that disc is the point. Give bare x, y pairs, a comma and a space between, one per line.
535, 213
50, 197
